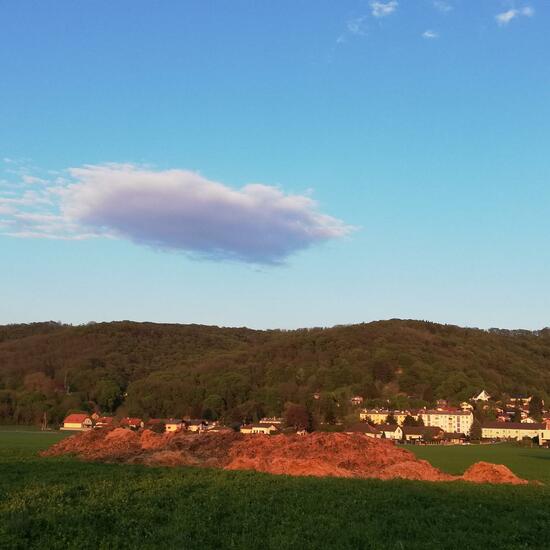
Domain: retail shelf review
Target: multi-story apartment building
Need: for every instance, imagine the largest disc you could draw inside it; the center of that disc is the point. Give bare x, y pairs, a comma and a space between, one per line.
376, 416
380, 416
449, 420
454, 421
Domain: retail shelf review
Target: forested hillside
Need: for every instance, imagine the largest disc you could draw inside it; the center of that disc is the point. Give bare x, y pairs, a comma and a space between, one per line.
236, 373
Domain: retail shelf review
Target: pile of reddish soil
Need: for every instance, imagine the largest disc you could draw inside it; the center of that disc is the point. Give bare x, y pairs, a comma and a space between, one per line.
318, 454
122, 445
485, 472
330, 454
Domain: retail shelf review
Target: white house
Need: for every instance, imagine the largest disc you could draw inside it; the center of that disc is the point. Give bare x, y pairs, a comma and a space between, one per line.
266, 429
173, 425
391, 431
196, 425
482, 396
544, 437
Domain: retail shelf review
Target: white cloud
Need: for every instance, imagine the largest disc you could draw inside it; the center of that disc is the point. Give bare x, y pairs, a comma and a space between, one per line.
430, 35
442, 6
505, 17
381, 9
175, 210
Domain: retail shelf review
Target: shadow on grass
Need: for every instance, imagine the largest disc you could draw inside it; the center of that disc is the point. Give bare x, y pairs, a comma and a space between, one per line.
537, 457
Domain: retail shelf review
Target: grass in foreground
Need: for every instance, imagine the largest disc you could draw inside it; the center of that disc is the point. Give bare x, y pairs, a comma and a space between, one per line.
63, 503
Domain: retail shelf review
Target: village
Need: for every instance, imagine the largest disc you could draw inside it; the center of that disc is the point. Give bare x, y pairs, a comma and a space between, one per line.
443, 425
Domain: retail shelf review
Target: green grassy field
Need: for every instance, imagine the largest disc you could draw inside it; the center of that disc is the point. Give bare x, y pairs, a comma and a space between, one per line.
529, 463
64, 503
26, 442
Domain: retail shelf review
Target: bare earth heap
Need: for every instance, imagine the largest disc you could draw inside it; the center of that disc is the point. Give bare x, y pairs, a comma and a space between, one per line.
317, 454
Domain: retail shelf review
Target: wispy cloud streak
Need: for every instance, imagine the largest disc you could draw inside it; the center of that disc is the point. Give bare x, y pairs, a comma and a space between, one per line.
507, 16
383, 9
442, 6
430, 35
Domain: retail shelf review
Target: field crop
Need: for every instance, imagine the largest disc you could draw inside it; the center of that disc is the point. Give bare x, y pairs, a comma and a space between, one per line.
63, 503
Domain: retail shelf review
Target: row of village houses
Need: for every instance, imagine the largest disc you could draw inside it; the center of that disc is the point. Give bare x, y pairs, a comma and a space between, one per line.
84, 422
483, 396
504, 411
454, 424
440, 426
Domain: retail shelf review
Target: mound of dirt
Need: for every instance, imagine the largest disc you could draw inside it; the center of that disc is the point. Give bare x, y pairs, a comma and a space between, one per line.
150, 441
485, 472
329, 454
107, 445
169, 458
317, 454
420, 470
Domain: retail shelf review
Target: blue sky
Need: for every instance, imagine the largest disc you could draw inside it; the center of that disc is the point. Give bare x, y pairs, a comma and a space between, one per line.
402, 152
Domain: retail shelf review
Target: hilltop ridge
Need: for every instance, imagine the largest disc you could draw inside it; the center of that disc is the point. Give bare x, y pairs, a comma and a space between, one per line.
237, 373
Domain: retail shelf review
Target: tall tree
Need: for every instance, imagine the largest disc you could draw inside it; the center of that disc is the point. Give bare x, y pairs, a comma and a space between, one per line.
535, 407
516, 417
296, 416
475, 431
410, 421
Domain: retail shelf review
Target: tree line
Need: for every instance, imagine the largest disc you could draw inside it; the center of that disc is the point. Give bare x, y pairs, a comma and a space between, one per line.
238, 374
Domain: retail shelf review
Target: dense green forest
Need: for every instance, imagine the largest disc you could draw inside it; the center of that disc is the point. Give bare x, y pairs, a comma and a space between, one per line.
160, 370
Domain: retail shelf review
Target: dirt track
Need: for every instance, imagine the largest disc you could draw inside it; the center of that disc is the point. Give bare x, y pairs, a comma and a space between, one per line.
317, 454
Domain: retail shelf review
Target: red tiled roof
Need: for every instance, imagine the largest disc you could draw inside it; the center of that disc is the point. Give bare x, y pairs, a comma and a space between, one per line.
76, 418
